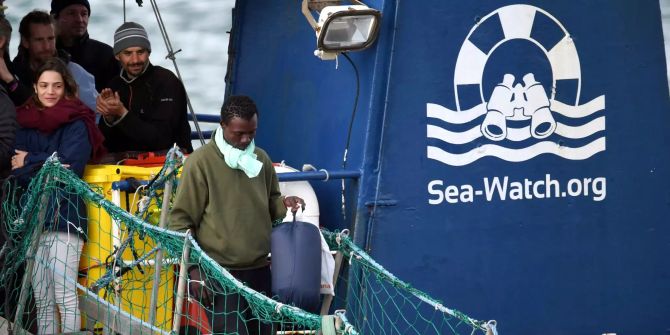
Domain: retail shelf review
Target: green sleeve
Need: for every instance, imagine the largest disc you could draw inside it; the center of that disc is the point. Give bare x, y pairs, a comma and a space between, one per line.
191, 199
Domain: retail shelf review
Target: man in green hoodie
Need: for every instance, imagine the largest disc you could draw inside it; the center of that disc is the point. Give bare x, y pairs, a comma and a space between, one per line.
229, 197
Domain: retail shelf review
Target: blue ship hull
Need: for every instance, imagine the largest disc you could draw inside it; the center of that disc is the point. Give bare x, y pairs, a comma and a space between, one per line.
555, 230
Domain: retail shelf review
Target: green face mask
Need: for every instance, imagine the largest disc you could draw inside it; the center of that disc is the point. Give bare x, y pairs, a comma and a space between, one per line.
244, 160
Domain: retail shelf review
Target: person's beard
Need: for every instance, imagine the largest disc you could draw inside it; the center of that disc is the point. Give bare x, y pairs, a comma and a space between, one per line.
135, 69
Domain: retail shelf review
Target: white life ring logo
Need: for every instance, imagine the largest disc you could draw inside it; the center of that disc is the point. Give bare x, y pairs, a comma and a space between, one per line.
516, 117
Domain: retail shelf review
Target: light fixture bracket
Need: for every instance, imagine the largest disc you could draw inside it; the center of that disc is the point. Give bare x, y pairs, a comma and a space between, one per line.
318, 5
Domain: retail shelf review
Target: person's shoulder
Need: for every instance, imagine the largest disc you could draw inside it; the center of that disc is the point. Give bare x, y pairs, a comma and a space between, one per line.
78, 70
165, 80
201, 162
201, 155
262, 155
163, 73
100, 45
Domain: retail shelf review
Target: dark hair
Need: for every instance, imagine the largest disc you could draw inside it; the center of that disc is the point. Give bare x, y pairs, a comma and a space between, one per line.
34, 17
5, 28
57, 65
238, 106
5, 31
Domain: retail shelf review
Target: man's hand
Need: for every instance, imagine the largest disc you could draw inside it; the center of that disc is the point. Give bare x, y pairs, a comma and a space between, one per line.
109, 105
197, 288
294, 203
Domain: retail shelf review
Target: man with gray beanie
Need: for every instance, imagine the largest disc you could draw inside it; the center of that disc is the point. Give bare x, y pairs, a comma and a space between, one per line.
71, 18
144, 108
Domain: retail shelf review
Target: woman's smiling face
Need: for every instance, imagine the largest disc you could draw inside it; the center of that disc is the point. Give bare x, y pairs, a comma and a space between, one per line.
50, 88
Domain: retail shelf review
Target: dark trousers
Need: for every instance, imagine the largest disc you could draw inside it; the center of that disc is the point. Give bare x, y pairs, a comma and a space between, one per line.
231, 313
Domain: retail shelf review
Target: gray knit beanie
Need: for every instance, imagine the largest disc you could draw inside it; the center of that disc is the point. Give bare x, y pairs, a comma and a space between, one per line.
130, 34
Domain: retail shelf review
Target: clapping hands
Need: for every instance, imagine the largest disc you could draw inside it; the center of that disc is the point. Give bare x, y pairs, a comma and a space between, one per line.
109, 105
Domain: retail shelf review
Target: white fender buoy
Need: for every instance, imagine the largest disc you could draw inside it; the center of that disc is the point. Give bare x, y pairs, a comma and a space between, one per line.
303, 190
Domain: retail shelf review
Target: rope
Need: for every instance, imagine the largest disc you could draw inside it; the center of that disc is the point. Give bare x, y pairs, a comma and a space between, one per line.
376, 301
326, 172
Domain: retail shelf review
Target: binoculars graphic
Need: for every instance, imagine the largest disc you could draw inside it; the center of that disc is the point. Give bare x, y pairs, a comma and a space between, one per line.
518, 102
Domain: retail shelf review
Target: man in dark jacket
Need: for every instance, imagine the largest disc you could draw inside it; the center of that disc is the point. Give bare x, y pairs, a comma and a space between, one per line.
144, 108
7, 111
97, 58
7, 136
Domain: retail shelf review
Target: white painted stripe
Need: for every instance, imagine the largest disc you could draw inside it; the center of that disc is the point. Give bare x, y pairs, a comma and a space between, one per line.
516, 134
564, 60
517, 155
576, 112
582, 131
454, 137
136, 31
454, 117
517, 21
129, 36
469, 65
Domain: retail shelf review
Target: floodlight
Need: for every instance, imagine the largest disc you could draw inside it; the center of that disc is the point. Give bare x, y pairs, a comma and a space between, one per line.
343, 28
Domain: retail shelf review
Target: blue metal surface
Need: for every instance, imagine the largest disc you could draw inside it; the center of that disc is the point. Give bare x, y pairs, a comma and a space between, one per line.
301, 99
125, 186
206, 118
578, 241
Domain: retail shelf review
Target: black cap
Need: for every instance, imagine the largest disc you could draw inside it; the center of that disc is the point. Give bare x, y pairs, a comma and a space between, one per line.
59, 5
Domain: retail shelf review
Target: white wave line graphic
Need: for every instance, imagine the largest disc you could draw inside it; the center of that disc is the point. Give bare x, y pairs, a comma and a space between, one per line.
447, 115
516, 134
582, 131
580, 111
454, 117
517, 155
452, 136
513, 134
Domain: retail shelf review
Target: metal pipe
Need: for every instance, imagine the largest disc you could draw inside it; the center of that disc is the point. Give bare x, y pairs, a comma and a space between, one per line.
206, 118
181, 285
165, 208
125, 186
324, 175
116, 244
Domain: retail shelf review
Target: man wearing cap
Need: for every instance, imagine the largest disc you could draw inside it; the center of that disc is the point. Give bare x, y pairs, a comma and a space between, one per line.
144, 108
71, 17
